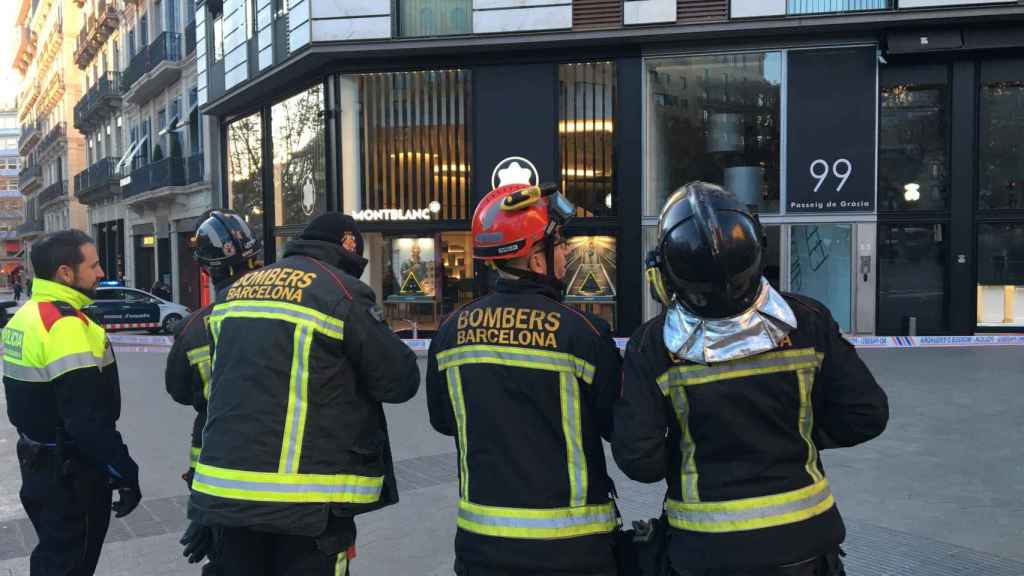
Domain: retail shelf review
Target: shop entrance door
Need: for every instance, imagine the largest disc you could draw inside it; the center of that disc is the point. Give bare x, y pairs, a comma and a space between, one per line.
951, 196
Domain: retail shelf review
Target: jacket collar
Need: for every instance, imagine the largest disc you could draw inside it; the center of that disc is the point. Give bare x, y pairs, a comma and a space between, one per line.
706, 341
522, 286
333, 254
50, 291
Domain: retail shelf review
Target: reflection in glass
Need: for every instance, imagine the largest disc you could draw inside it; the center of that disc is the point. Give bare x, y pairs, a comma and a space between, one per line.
413, 142
298, 143
435, 17
245, 162
820, 267
586, 136
912, 272
590, 281
912, 157
411, 277
827, 6
716, 118
1001, 274
1001, 150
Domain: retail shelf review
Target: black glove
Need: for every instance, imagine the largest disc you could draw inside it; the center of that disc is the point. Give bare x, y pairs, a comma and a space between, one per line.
198, 542
130, 496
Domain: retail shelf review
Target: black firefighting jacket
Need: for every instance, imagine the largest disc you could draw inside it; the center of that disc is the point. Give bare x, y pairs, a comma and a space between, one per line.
302, 360
746, 486
189, 372
526, 385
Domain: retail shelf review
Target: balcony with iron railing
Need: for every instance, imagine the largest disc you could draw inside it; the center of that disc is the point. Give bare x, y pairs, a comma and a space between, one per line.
52, 193
153, 69
96, 29
30, 134
102, 99
30, 227
98, 181
56, 135
29, 178
155, 175
805, 7
195, 172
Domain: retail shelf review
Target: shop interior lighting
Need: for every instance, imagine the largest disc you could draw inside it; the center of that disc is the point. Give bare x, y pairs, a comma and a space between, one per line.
585, 126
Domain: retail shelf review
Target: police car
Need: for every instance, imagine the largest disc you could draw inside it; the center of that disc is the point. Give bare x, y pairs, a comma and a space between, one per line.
117, 307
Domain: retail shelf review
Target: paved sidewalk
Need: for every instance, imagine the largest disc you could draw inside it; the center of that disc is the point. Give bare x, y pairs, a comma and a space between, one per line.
939, 494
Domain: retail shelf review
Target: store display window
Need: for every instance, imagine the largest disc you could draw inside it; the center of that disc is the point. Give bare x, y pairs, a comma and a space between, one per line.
590, 275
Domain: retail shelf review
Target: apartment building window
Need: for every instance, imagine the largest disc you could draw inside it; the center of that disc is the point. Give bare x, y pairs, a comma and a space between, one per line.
174, 135
195, 129
131, 43
435, 17
831, 6
144, 30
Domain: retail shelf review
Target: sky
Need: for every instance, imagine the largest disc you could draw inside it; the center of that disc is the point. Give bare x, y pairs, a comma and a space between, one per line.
9, 78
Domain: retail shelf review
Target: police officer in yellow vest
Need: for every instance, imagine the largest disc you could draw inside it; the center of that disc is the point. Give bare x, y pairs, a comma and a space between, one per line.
64, 398
296, 443
731, 393
226, 248
526, 384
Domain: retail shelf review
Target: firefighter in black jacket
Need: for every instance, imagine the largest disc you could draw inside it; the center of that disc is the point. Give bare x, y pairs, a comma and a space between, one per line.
749, 385
64, 398
295, 443
225, 247
526, 385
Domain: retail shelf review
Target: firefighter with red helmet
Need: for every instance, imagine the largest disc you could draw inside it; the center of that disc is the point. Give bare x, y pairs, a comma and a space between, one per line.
526, 385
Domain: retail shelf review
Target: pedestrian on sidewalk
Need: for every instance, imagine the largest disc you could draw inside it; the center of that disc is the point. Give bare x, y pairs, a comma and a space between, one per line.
64, 398
16, 286
730, 394
526, 384
296, 444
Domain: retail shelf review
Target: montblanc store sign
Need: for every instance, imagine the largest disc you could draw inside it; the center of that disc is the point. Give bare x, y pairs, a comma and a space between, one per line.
830, 157
396, 214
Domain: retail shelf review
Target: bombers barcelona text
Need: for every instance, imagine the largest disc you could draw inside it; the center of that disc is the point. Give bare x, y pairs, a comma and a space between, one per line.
272, 283
510, 326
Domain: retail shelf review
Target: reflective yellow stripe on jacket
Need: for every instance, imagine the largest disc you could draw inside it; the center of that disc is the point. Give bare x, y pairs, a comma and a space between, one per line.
578, 519
757, 512
295, 488
751, 513
287, 484
200, 359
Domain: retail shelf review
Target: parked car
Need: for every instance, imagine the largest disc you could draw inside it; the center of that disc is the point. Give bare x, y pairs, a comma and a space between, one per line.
121, 308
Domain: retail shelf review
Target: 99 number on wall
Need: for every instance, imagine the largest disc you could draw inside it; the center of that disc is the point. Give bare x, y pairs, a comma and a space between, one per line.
841, 169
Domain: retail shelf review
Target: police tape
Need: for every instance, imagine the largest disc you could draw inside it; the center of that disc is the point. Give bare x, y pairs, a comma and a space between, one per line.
129, 342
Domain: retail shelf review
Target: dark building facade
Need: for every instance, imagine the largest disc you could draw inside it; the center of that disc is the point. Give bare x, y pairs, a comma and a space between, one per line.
880, 142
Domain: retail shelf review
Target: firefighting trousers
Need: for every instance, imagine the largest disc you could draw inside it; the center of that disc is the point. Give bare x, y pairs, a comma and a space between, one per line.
244, 552
70, 511
827, 565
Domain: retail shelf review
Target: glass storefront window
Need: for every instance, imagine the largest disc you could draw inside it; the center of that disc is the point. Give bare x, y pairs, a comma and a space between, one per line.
299, 178
590, 281
913, 157
1000, 149
245, 162
1001, 274
435, 17
408, 146
715, 118
912, 277
586, 136
820, 267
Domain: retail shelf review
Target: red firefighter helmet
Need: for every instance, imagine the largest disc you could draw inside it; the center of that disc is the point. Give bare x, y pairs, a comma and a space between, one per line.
511, 219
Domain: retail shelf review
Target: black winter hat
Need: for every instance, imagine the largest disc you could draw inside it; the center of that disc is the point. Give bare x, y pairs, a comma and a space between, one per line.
333, 227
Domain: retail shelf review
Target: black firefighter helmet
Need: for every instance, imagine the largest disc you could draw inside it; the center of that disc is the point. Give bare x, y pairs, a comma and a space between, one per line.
710, 254
224, 244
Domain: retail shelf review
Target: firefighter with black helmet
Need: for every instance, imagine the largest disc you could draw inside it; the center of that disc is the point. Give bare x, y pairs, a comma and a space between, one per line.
525, 384
226, 249
295, 443
730, 394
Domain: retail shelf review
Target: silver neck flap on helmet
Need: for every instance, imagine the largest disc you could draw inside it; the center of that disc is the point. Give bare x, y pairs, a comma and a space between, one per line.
707, 341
